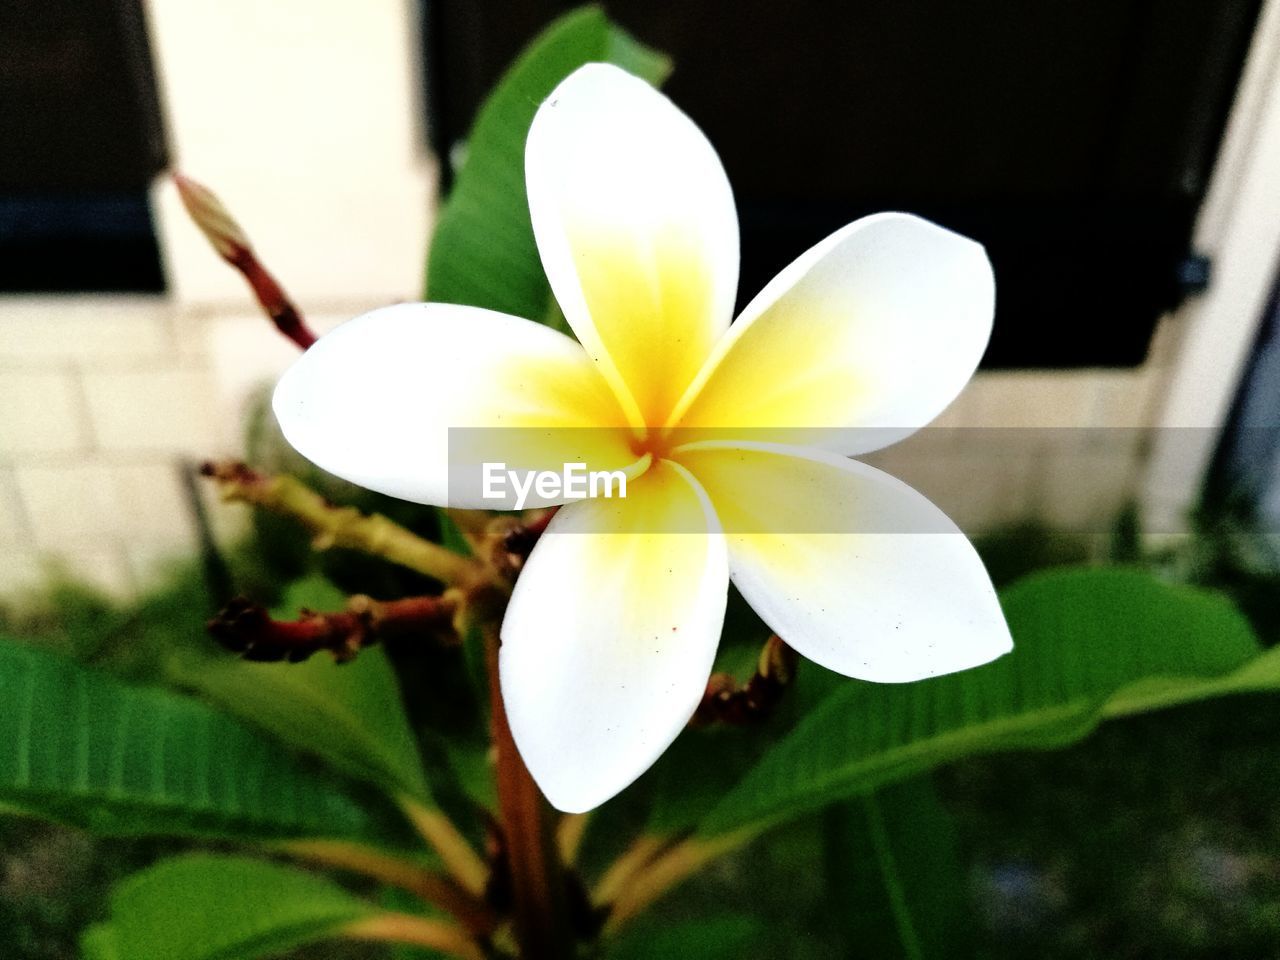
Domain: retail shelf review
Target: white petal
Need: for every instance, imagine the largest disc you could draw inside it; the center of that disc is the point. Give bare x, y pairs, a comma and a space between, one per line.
637, 231
862, 340
610, 636
849, 565
375, 400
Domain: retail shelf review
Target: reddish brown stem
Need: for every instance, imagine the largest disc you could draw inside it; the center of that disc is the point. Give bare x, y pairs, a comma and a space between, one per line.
231, 244
275, 302
538, 887
248, 629
521, 540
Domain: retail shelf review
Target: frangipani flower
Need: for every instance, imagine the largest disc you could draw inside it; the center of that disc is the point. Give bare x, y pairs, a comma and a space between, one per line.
734, 438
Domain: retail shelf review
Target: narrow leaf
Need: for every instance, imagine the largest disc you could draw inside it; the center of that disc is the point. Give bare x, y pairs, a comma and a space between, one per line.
84, 748
483, 253
714, 938
895, 880
1088, 644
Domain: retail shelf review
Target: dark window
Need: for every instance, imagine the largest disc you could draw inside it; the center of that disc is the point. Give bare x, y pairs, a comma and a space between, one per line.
1073, 137
82, 141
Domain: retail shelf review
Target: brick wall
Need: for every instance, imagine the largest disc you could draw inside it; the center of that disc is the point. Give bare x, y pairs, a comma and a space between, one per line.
97, 406
1063, 448
103, 399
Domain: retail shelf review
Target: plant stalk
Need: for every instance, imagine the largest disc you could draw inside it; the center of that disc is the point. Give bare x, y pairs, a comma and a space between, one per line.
419, 931
334, 526
668, 870
443, 837
540, 901
469, 910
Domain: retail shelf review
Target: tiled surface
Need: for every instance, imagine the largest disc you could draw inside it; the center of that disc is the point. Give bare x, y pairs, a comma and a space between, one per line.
24, 572
1032, 399
102, 567
101, 403
85, 330
152, 503
1060, 447
69, 504
99, 396
40, 413
158, 410
13, 527
1084, 489
147, 564
20, 571
103, 400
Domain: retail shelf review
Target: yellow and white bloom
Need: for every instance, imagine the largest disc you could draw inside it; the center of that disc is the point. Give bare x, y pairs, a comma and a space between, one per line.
735, 438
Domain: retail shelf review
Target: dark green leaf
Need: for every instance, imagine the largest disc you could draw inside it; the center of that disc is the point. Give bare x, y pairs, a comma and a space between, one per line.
718, 938
211, 907
483, 253
894, 875
84, 748
350, 715
1088, 644
695, 773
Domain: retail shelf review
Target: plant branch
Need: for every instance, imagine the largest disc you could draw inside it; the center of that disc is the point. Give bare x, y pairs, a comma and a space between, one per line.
334, 526
504, 542
569, 833
232, 245
470, 523
539, 893
521, 540
472, 912
247, 628
726, 702
643, 851
661, 874
443, 837
415, 930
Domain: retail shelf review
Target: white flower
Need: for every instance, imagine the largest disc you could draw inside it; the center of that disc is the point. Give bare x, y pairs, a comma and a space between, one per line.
738, 432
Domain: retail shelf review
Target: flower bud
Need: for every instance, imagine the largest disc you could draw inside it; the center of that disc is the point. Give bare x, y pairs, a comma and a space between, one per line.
208, 213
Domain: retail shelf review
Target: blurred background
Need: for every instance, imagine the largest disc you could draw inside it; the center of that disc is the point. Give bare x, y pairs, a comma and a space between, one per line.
1119, 158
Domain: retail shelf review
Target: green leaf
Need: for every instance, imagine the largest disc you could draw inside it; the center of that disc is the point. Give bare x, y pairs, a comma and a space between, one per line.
483, 253
350, 715
84, 748
211, 907
450, 536
310, 593
397, 900
717, 938
98, 942
696, 772
894, 875
1088, 644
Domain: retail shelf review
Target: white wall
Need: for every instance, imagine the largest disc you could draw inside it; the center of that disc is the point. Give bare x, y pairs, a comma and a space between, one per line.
303, 116
1208, 343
